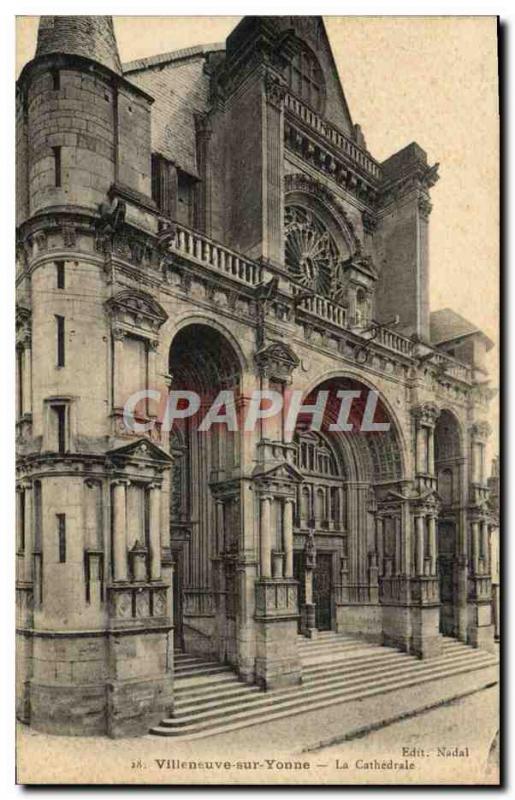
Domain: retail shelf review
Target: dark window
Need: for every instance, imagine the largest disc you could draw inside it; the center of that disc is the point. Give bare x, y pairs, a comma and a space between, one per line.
56, 79
305, 78
60, 419
57, 165
61, 534
186, 195
60, 340
59, 266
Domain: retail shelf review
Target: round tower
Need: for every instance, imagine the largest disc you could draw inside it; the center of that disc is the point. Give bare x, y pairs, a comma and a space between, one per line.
83, 154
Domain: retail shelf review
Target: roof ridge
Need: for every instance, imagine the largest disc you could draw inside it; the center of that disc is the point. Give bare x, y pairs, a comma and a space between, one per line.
173, 55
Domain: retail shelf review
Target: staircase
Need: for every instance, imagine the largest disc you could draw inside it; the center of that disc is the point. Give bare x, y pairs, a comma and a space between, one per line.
336, 668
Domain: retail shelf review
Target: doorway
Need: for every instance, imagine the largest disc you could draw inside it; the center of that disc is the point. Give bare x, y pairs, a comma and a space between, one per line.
446, 557
322, 587
178, 585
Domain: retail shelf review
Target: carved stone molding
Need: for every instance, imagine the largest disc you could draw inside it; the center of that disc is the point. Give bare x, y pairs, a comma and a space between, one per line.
133, 308
277, 361
424, 206
302, 183
370, 222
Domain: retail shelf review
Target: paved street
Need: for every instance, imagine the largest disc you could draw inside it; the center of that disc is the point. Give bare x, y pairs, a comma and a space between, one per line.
471, 723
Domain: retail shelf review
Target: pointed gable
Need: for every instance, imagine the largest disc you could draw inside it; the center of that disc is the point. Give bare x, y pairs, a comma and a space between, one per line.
311, 32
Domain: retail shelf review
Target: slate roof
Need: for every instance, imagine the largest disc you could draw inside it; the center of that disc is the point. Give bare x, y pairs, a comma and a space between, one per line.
180, 89
447, 325
90, 37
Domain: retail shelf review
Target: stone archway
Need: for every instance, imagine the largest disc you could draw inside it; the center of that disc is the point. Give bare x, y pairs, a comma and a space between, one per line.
346, 474
204, 504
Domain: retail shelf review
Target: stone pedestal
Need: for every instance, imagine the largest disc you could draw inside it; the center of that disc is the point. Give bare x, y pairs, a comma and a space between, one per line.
426, 641
277, 654
307, 620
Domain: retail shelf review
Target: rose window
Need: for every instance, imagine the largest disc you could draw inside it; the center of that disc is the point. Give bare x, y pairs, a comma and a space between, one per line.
311, 255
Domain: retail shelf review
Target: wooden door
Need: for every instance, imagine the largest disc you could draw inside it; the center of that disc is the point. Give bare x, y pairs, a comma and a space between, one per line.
322, 589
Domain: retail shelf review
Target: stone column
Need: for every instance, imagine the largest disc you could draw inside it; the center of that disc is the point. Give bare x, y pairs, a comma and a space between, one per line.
118, 339
419, 545
431, 450
432, 542
219, 526
119, 530
398, 544
380, 544
27, 379
272, 185
475, 545
265, 537
421, 448
29, 531
288, 537
152, 405
155, 531
425, 417
484, 546
204, 130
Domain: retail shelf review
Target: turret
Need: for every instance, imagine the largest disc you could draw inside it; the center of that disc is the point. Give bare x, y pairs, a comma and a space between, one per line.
82, 126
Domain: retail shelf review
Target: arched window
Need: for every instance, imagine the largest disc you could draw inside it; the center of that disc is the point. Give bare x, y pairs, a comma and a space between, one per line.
305, 78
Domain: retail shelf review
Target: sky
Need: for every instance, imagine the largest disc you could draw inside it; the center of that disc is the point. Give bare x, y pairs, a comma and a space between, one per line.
430, 80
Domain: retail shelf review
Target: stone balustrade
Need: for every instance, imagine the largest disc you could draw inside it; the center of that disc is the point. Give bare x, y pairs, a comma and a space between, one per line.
332, 135
130, 603
394, 341
197, 603
205, 251
323, 308
277, 598
453, 368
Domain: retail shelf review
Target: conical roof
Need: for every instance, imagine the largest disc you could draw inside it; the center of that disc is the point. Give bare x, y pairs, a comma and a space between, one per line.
90, 37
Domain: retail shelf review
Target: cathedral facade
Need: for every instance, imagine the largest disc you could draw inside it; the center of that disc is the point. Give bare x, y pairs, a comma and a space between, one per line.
211, 220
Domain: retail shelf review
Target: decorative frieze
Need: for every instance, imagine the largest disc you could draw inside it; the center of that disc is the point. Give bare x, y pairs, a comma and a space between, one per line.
325, 162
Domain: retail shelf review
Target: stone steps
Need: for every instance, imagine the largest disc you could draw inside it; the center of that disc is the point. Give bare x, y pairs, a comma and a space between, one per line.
216, 702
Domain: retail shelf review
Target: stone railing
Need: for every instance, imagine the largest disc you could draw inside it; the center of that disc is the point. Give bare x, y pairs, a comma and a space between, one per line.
394, 341
323, 308
197, 603
205, 251
129, 603
394, 589
480, 588
425, 590
452, 367
277, 598
333, 135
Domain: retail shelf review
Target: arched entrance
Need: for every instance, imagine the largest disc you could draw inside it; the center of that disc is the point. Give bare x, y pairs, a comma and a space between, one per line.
204, 503
448, 468
346, 475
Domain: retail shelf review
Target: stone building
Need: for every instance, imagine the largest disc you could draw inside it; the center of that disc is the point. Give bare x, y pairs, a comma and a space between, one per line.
211, 219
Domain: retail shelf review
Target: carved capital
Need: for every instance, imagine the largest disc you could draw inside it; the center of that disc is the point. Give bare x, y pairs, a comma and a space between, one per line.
426, 414
275, 91
480, 431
